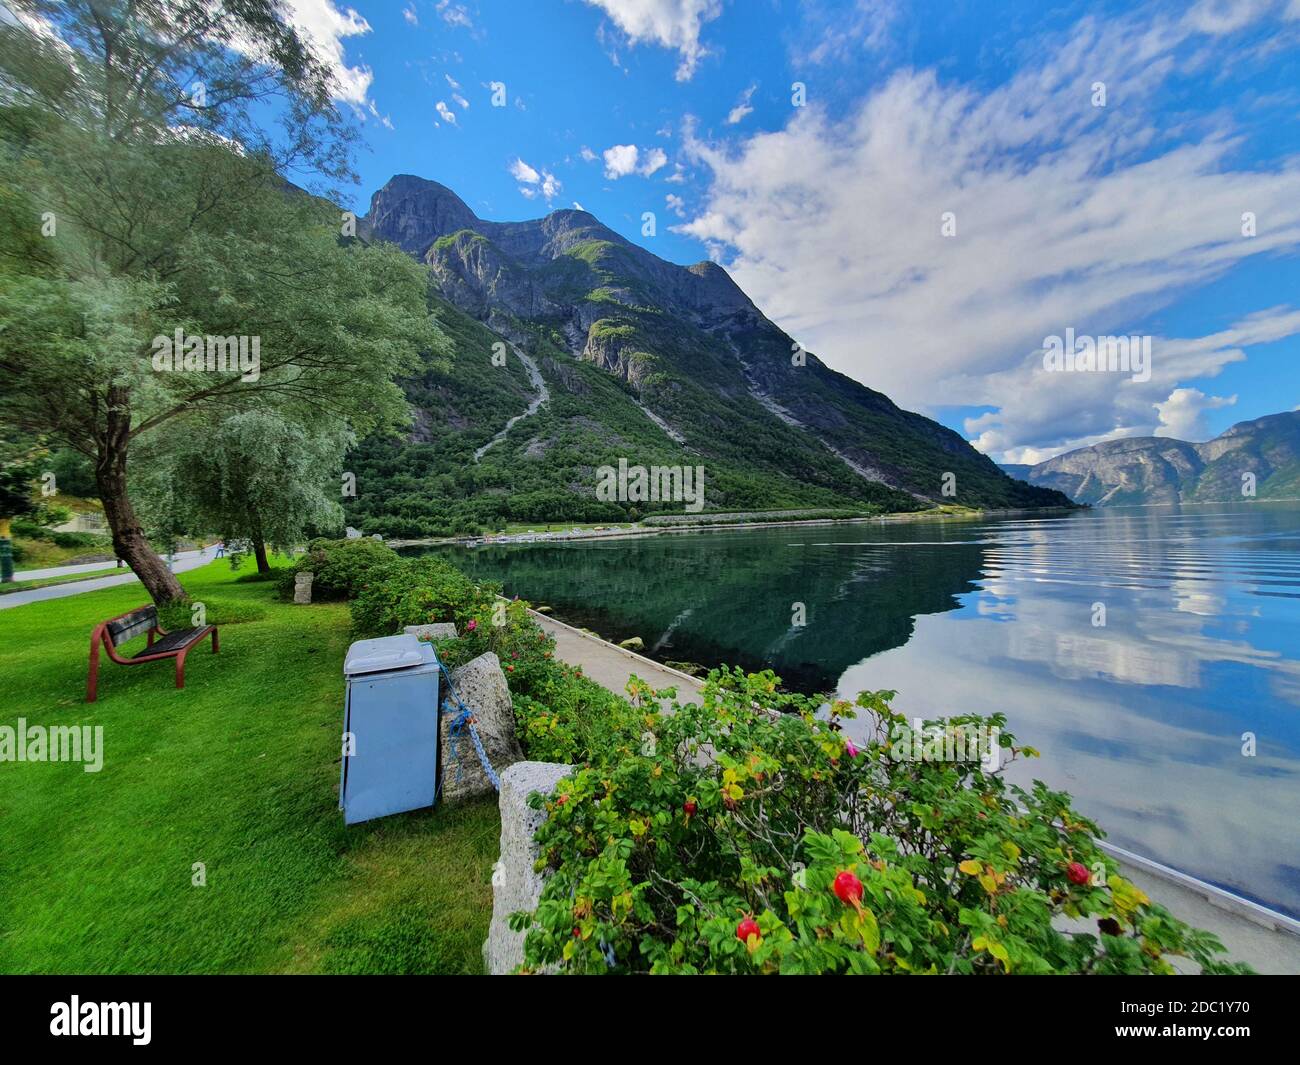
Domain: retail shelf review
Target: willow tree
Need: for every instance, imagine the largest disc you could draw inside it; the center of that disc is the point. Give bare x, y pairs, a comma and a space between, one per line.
254, 476
155, 262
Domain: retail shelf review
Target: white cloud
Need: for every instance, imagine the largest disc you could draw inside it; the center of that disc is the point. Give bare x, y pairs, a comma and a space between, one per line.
452, 82
445, 113
742, 108
653, 159
620, 160
324, 27
577, 206
588, 155
1217, 17
673, 24
409, 13
1182, 415
830, 32
521, 171
1066, 215
678, 176
676, 204
624, 159
464, 104
532, 182
1043, 414
454, 14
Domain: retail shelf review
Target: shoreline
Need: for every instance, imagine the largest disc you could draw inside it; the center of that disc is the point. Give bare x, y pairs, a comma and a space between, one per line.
899, 517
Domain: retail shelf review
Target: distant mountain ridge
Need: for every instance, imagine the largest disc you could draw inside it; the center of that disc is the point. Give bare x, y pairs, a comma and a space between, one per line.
1157, 469
641, 358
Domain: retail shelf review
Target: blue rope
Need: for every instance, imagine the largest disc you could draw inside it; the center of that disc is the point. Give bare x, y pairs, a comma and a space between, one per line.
463, 720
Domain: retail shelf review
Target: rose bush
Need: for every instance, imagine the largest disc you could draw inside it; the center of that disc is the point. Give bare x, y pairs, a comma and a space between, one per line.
749, 836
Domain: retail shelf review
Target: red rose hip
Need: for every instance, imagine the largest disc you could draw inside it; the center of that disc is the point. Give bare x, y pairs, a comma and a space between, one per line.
748, 927
848, 888
1078, 873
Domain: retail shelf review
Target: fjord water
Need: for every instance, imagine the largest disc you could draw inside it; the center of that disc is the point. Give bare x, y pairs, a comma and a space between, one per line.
1142, 719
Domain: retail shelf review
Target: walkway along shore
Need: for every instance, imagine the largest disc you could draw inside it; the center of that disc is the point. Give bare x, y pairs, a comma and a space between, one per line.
1269, 942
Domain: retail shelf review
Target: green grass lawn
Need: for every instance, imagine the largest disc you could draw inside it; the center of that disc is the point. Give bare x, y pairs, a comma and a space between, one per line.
238, 771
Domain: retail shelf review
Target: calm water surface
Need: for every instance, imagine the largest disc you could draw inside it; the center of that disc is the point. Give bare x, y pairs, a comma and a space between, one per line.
1141, 719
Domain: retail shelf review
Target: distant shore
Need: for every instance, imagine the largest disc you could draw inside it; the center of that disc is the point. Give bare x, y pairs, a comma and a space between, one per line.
575, 535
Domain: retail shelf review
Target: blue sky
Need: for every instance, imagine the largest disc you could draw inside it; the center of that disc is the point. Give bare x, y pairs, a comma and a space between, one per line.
1114, 214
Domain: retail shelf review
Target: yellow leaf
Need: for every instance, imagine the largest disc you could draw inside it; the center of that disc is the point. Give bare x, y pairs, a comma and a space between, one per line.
971, 867
989, 884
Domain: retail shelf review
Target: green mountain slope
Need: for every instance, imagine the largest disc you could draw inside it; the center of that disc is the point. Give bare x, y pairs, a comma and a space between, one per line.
625, 356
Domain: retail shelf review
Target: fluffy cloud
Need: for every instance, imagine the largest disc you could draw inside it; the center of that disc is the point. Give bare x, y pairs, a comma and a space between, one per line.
1182, 415
676, 204
521, 171
624, 159
324, 27
409, 13
1065, 215
673, 24
620, 160
533, 182
445, 113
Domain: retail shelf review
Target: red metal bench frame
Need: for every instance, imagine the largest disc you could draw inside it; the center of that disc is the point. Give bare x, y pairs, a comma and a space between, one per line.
102, 635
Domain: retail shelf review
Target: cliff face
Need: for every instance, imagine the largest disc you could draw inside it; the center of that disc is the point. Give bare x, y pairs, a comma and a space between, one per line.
1147, 470
687, 347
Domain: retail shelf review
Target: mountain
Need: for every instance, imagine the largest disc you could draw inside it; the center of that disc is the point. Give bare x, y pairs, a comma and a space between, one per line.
611, 352
1157, 469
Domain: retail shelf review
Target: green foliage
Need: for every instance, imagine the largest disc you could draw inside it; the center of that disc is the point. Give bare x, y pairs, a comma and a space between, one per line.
572, 719
417, 592
341, 568
251, 476
658, 854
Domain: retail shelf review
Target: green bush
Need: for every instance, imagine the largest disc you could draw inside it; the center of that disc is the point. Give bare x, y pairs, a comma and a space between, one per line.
417, 592
790, 850
570, 718
342, 568
526, 653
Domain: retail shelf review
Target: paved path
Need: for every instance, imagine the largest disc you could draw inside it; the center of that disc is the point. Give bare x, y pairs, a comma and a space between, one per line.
185, 560
610, 665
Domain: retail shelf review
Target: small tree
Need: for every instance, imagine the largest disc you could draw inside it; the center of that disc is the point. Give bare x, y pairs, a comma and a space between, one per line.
253, 476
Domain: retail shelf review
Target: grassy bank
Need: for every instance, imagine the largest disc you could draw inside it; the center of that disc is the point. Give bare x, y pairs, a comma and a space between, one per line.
239, 771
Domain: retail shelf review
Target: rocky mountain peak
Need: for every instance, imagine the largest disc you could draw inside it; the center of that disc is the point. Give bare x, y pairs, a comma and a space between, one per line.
413, 212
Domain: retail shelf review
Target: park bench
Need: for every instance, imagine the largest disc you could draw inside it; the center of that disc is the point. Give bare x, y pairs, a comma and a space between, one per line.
162, 644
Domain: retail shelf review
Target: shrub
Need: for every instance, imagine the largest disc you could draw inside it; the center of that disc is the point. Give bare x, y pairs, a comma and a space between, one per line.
417, 592
527, 654
341, 567
845, 859
570, 718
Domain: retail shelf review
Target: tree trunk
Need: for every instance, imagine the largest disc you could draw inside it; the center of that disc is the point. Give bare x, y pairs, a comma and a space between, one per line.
129, 540
259, 553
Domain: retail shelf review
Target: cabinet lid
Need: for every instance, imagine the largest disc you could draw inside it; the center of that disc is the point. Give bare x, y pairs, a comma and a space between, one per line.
384, 654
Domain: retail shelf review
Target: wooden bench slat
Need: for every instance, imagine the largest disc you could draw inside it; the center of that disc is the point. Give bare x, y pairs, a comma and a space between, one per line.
131, 625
